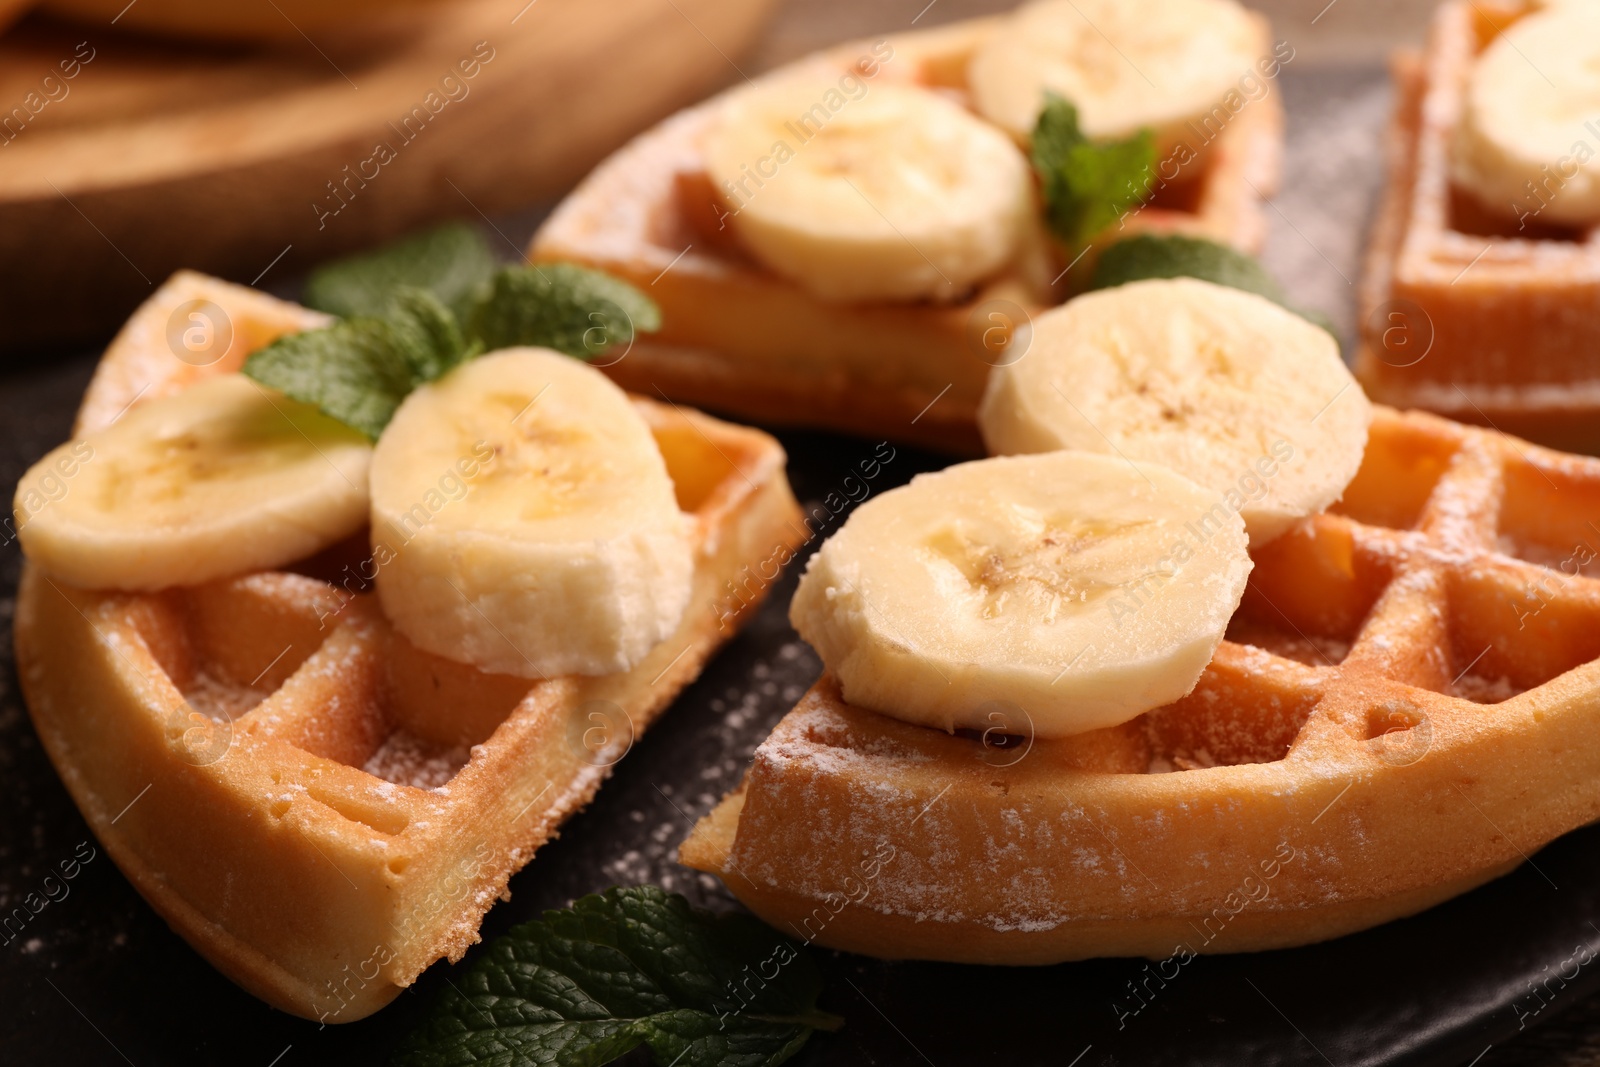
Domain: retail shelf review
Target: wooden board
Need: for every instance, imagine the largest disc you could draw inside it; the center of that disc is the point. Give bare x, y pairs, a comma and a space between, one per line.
156, 155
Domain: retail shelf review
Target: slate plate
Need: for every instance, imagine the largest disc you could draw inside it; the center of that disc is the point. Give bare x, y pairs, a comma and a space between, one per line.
96, 978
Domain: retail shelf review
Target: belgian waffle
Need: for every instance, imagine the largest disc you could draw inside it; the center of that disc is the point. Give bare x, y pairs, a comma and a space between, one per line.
737, 338
319, 808
1405, 707
1464, 314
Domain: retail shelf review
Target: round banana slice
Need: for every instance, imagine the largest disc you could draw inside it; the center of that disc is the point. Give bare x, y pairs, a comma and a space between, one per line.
1040, 595
1126, 64
893, 194
523, 520
223, 478
1223, 386
1526, 143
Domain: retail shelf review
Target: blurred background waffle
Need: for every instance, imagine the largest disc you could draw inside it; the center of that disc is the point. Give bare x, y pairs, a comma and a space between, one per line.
1478, 317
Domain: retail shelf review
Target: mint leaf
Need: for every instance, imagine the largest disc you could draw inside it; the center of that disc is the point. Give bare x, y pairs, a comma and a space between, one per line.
562, 306
1087, 185
356, 370
428, 333
629, 967
1148, 255
452, 262
360, 369
414, 309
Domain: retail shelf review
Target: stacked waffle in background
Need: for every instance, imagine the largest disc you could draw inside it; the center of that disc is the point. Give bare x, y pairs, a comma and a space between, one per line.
852, 241
1482, 294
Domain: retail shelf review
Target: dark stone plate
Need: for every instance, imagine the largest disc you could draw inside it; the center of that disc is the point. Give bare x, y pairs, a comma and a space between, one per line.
97, 978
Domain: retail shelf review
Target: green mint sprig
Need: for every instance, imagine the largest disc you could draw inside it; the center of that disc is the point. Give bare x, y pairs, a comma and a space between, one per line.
411, 312
1149, 255
1087, 185
450, 261
637, 966
568, 308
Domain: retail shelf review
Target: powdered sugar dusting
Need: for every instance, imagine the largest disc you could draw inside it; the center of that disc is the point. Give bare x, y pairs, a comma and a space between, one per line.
406, 759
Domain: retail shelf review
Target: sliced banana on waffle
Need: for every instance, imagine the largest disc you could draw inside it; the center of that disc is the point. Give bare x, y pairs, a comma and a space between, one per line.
893, 194
1227, 388
1041, 595
1526, 141
523, 520
1126, 64
223, 478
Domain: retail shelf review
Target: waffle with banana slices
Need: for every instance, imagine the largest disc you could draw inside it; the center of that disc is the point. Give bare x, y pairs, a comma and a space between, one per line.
321, 808
1406, 705
742, 338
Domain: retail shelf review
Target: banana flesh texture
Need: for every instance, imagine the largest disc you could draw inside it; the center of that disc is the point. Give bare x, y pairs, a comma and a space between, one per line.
523, 520
1528, 140
1040, 596
897, 193
1228, 389
1126, 64
224, 478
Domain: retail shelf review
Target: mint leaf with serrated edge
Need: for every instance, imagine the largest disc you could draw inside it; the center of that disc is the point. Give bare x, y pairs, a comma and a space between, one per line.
419, 307
627, 967
1149, 255
429, 334
359, 370
452, 262
562, 306
355, 370
1087, 185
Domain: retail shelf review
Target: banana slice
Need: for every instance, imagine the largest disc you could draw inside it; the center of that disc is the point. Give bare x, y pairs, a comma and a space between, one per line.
1125, 64
224, 478
1526, 142
523, 520
1223, 386
1040, 595
895, 194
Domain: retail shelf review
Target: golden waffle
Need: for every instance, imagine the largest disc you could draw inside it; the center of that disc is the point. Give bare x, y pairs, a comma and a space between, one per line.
1461, 313
1407, 705
319, 808
737, 338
